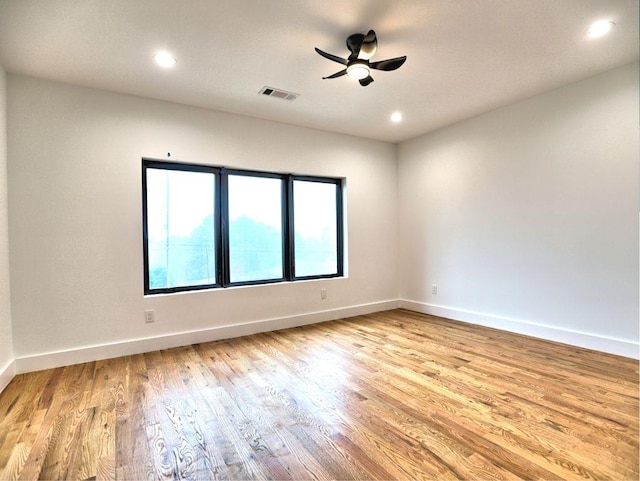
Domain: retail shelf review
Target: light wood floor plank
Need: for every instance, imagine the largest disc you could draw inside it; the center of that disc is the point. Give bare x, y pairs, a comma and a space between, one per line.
391, 395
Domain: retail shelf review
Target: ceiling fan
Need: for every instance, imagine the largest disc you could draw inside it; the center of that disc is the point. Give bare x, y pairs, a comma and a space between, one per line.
357, 66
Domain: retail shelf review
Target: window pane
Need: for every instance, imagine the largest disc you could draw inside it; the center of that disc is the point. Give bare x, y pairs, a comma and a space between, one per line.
255, 228
181, 228
315, 222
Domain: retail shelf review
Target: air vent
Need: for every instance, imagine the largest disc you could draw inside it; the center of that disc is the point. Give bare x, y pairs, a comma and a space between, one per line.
278, 93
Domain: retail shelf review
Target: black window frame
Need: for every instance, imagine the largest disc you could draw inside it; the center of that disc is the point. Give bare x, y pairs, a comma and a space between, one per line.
339, 225
221, 221
183, 167
226, 281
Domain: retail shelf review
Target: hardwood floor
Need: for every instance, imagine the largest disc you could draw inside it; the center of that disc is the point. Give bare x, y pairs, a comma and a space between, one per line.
392, 395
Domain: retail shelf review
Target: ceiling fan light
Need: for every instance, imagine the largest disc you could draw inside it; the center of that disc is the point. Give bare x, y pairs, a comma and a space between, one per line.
358, 70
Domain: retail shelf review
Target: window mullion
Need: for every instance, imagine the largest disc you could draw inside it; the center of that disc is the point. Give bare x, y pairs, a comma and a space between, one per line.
225, 277
288, 229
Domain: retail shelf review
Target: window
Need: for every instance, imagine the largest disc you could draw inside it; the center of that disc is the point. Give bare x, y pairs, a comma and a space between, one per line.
206, 227
256, 244
180, 230
316, 224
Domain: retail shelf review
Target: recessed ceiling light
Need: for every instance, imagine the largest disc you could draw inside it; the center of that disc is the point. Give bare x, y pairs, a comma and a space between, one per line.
600, 28
165, 59
396, 117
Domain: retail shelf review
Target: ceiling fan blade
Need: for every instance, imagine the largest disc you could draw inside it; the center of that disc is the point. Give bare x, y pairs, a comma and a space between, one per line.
337, 74
366, 81
330, 56
354, 43
369, 46
389, 64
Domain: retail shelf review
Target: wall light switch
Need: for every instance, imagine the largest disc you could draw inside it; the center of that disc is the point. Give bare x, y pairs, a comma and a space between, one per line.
149, 316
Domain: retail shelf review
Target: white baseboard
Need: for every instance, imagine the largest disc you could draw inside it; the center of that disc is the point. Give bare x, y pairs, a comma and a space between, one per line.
50, 360
550, 333
7, 373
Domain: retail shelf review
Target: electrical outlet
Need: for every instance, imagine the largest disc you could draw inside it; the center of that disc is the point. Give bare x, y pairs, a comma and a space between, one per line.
434, 289
323, 294
149, 316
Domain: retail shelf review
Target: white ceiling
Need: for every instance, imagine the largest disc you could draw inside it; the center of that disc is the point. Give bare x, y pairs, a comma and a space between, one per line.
465, 57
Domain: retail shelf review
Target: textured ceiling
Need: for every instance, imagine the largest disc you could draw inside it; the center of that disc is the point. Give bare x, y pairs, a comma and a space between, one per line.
465, 57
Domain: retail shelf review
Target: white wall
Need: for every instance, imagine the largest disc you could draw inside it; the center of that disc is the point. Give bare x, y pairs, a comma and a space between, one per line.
76, 234
6, 338
526, 217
